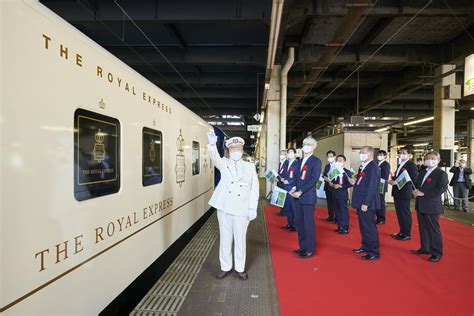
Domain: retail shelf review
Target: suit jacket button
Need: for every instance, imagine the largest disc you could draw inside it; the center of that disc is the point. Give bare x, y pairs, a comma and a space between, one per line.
232, 183
240, 185
238, 194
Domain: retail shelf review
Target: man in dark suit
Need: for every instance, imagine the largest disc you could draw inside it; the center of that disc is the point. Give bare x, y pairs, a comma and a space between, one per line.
281, 168
341, 184
384, 175
431, 183
288, 178
331, 158
403, 197
304, 191
366, 199
461, 183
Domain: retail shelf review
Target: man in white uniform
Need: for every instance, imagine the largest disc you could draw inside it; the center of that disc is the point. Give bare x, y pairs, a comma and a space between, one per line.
236, 201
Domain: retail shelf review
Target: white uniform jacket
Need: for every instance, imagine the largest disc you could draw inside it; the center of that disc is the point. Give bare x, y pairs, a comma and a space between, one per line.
237, 191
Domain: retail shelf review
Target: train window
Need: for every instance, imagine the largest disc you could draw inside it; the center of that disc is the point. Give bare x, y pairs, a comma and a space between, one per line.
196, 156
152, 157
96, 155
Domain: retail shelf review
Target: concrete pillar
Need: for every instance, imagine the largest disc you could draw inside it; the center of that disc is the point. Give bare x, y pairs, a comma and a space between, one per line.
272, 118
262, 143
393, 161
444, 113
470, 143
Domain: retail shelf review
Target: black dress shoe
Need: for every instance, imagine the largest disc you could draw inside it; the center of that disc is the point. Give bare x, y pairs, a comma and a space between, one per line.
280, 214
306, 255
401, 237
358, 250
242, 275
434, 258
291, 229
329, 219
380, 222
395, 235
298, 251
419, 252
343, 231
370, 257
222, 274
337, 230
285, 227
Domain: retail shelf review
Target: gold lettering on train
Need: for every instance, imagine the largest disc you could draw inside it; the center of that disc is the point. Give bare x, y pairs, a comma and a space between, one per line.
58, 252
41, 253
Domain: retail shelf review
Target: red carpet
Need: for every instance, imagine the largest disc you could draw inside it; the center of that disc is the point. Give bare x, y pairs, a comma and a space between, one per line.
337, 282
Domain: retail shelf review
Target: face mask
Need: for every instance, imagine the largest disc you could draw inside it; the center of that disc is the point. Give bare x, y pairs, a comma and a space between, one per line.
236, 155
307, 149
339, 164
403, 157
291, 155
363, 157
331, 159
431, 163
282, 157
380, 158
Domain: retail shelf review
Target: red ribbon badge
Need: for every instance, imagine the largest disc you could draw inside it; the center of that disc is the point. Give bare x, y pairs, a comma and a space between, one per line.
428, 180
303, 173
291, 172
362, 174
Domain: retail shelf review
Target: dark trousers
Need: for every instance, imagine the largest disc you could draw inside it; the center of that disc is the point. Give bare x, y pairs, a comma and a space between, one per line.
461, 193
304, 215
342, 213
368, 231
331, 203
430, 233
402, 207
380, 213
289, 210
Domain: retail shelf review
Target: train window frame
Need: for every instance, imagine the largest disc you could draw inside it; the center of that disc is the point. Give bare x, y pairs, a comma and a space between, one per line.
86, 190
157, 177
193, 150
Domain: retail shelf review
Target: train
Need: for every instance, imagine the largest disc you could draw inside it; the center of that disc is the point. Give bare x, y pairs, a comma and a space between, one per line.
101, 170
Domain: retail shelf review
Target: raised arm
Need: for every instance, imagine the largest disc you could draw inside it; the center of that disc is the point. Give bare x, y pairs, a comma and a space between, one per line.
216, 159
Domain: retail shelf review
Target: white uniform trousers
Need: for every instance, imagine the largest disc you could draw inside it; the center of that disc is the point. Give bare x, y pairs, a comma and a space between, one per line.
232, 227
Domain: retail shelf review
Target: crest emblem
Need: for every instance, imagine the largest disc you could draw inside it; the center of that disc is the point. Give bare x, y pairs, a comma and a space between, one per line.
99, 147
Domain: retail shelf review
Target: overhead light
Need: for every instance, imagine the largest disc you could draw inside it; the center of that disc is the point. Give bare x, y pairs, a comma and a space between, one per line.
383, 129
419, 121
267, 86
472, 108
420, 144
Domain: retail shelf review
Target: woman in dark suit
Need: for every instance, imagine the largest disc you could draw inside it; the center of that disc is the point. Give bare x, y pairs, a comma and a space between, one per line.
431, 183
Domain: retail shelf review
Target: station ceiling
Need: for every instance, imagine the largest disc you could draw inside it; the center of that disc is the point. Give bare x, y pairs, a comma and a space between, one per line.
211, 56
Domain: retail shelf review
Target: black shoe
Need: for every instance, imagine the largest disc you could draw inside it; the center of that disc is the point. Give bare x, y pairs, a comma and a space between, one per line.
380, 222
222, 274
291, 229
306, 255
329, 219
285, 227
343, 231
242, 275
403, 238
358, 250
298, 251
370, 257
434, 258
337, 230
395, 235
419, 252
280, 213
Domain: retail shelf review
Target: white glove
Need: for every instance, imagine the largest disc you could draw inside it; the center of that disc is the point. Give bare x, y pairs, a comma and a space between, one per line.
252, 214
212, 138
